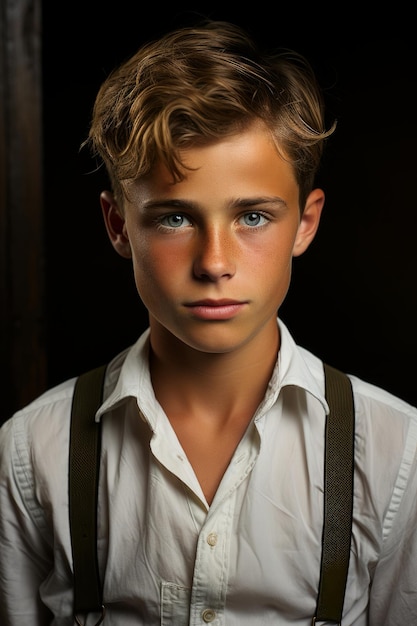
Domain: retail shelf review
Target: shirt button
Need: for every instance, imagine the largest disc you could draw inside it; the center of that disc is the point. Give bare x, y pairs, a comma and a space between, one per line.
212, 539
208, 615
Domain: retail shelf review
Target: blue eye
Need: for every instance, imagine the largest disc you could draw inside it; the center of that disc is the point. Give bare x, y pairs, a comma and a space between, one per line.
176, 220
254, 219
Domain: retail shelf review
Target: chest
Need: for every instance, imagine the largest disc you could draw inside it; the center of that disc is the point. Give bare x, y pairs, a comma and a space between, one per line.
209, 448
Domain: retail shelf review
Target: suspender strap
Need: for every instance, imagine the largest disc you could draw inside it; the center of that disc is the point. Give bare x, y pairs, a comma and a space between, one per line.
338, 496
83, 488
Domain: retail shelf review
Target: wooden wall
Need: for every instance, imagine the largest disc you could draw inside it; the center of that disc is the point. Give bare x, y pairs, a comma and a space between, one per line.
22, 341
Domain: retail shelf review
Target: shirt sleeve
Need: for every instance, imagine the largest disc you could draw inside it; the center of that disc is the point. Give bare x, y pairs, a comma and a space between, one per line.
393, 598
25, 551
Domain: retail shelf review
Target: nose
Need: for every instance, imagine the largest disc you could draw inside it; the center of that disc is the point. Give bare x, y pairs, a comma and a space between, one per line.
215, 256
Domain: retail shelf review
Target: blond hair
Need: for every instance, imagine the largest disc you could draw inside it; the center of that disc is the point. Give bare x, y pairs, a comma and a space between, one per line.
197, 85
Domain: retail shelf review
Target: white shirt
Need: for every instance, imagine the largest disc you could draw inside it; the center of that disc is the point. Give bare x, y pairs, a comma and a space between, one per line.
252, 558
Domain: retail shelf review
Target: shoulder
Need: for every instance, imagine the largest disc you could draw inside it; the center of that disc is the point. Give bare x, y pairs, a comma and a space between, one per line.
34, 445
36, 438
49, 410
376, 404
386, 444
385, 425
52, 409
39, 432
34, 453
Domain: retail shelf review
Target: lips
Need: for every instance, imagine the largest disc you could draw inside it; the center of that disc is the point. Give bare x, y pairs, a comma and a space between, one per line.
208, 309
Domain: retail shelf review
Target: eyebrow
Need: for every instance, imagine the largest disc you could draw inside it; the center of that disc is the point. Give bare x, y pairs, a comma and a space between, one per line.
244, 203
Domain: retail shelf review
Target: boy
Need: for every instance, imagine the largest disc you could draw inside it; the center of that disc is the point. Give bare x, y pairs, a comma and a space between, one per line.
211, 479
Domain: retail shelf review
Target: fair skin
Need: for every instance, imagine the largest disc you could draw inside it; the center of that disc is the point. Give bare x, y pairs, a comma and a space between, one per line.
212, 260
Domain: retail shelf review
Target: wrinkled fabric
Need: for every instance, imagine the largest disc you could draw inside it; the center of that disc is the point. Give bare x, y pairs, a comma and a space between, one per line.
252, 558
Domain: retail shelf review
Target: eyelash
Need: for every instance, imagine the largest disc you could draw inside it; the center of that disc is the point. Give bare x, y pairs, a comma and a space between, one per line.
160, 220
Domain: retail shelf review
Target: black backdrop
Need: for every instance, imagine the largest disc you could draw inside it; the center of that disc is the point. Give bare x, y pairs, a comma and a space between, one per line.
353, 296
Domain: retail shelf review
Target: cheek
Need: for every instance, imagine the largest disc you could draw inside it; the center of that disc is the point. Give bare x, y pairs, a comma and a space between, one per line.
270, 267
154, 264
273, 255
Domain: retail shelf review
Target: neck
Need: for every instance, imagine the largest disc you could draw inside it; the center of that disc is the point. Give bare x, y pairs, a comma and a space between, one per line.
186, 380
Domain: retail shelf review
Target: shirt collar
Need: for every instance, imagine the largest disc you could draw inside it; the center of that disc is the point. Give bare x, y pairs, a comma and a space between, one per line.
295, 367
131, 378
298, 367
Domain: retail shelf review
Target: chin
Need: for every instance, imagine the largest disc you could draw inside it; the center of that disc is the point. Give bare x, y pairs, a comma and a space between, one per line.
215, 342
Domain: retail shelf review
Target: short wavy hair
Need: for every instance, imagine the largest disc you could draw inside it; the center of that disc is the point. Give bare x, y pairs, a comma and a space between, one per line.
197, 85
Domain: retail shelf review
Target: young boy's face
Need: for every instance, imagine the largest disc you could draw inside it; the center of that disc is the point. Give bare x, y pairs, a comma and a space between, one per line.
212, 254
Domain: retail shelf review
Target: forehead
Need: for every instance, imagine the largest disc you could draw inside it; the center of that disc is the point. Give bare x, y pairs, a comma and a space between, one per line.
241, 165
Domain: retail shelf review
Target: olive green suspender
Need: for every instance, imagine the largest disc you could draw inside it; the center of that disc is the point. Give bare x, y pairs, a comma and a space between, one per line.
338, 495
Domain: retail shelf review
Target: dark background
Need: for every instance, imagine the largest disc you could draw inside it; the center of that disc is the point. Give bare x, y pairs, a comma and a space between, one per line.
353, 296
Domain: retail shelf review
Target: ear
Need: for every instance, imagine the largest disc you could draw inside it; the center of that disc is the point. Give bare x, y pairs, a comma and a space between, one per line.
115, 224
310, 220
